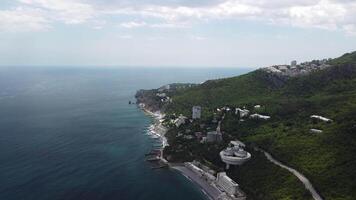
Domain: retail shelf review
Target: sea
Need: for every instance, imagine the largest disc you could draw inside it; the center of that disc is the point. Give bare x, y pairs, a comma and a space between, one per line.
68, 133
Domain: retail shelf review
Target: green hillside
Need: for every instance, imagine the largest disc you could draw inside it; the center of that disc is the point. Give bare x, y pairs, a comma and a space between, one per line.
327, 158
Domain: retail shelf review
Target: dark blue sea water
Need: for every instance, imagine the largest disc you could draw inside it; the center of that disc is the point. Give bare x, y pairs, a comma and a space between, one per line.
69, 133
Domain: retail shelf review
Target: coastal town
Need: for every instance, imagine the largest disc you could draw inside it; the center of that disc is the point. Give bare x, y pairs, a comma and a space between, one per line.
215, 184
295, 69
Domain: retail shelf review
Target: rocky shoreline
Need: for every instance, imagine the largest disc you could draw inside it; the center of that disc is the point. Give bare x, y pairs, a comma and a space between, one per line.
208, 188
156, 129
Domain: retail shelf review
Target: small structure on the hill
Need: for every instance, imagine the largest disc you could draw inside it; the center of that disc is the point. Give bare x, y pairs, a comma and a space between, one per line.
180, 120
313, 130
258, 116
234, 154
228, 185
318, 117
242, 112
257, 106
212, 136
196, 112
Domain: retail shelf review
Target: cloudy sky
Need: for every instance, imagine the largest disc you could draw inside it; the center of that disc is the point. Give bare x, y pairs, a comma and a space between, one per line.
226, 33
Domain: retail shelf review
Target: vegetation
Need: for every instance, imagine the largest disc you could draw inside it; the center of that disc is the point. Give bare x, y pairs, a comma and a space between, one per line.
326, 158
261, 179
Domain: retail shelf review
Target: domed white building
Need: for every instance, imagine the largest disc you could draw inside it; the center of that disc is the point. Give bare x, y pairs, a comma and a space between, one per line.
234, 154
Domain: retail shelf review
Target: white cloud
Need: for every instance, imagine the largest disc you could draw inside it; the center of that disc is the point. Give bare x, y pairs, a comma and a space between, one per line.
169, 25
22, 19
67, 11
140, 24
133, 24
350, 29
325, 14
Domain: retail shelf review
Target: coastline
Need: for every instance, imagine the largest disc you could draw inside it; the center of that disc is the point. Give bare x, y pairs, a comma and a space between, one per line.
208, 190
158, 130
207, 186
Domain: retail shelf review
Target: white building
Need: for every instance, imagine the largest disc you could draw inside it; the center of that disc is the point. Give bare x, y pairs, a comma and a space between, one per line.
293, 64
196, 112
242, 112
227, 184
313, 130
194, 168
180, 120
162, 95
321, 118
234, 154
272, 70
282, 68
200, 172
258, 116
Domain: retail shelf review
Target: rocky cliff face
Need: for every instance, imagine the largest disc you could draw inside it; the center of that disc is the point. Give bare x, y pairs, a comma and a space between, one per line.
149, 99
158, 99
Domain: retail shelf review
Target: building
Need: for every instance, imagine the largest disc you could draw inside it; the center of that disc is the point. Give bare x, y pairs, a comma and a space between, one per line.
196, 112
315, 131
180, 120
282, 68
258, 116
227, 184
234, 154
324, 119
194, 168
242, 112
162, 95
213, 136
293, 64
205, 175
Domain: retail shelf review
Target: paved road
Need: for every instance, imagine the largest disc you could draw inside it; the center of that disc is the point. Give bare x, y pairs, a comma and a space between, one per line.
299, 175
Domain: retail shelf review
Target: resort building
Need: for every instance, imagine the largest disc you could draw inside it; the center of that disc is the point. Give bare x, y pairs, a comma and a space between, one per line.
196, 112
324, 119
242, 112
228, 185
258, 116
315, 131
180, 120
293, 64
234, 154
162, 95
200, 172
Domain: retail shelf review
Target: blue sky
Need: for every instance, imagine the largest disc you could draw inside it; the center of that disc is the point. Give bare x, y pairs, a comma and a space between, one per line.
213, 33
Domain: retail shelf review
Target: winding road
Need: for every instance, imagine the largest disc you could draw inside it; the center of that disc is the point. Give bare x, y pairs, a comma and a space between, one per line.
299, 175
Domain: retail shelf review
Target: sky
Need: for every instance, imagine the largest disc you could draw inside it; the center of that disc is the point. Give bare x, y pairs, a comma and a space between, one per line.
166, 33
